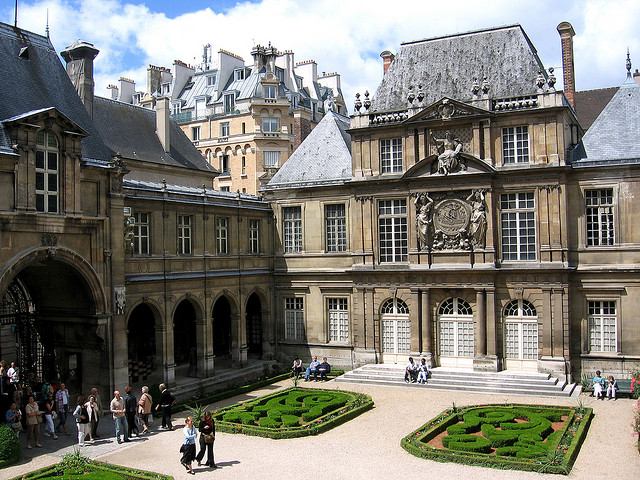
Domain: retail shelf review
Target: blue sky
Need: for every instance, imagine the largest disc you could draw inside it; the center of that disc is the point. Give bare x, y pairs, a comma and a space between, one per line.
343, 36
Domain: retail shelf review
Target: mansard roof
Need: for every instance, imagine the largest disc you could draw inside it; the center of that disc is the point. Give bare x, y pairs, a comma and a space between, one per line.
32, 79
447, 66
614, 136
324, 157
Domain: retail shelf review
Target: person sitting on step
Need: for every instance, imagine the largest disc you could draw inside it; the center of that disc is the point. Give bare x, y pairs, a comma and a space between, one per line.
324, 368
411, 371
423, 371
312, 369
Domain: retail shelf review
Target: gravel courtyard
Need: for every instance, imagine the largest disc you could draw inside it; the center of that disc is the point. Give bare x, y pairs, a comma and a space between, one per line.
368, 447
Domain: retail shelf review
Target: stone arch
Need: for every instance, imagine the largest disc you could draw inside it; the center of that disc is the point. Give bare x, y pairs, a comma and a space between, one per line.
186, 314
224, 319
254, 321
144, 341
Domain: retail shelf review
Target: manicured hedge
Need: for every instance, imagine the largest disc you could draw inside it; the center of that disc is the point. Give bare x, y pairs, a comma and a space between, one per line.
118, 471
9, 446
294, 412
529, 445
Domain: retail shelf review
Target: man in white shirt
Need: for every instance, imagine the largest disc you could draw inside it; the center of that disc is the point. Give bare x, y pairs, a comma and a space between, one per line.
12, 373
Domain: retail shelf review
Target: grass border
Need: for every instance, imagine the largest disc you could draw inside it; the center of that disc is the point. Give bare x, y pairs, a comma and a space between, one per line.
97, 465
321, 424
550, 465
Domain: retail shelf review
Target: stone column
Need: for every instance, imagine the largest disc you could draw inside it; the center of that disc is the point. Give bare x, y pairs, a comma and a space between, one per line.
427, 327
481, 327
416, 322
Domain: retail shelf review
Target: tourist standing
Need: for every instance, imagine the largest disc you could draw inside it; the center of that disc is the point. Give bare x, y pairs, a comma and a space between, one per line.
94, 426
118, 410
49, 412
34, 417
130, 407
92, 410
82, 420
188, 447
207, 429
62, 405
144, 408
166, 402
13, 417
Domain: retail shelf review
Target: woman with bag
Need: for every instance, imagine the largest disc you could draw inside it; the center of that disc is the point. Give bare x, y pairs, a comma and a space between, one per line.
82, 420
49, 412
34, 418
188, 448
144, 408
207, 437
92, 411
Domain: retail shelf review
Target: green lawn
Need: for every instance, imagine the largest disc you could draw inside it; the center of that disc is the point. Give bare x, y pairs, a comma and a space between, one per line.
524, 437
76, 467
294, 412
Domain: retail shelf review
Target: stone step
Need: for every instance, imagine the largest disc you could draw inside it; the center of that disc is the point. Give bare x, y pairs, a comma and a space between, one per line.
448, 371
463, 376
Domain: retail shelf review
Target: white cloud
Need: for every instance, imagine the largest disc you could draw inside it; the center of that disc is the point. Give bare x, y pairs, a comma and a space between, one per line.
343, 36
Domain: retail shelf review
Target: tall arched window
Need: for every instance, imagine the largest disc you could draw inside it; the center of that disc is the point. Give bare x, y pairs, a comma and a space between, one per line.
47, 172
396, 326
521, 330
455, 318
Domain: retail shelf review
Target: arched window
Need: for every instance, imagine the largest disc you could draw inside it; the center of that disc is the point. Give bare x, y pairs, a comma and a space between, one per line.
396, 326
455, 319
47, 172
520, 330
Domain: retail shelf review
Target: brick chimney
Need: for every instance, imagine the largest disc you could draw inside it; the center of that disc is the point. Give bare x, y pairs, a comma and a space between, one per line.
387, 59
163, 125
79, 57
568, 74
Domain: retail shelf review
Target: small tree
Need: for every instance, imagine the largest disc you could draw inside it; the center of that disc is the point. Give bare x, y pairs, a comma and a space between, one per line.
9, 445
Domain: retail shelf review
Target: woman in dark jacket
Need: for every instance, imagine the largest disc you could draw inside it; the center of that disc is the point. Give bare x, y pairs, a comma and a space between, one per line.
207, 437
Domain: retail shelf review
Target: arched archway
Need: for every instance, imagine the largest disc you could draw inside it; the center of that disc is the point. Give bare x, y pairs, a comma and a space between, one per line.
456, 333
254, 325
222, 329
185, 353
396, 330
143, 344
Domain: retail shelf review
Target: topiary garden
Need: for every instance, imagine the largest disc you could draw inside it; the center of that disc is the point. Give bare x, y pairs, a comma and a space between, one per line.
9, 446
295, 412
524, 437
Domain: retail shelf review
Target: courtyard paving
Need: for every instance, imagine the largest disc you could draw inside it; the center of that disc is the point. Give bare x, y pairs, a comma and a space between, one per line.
367, 447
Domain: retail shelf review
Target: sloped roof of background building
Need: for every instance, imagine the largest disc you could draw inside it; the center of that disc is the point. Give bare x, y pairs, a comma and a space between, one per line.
323, 157
589, 104
447, 66
40, 82
131, 131
614, 136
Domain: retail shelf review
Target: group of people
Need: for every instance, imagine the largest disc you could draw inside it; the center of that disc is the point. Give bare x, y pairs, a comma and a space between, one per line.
416, 372
602, 386
315, 369
207, 431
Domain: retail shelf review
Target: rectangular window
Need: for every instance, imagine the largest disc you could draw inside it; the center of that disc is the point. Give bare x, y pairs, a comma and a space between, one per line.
201, 108
335, 228
222, 235
338, 320
195, 133
270, 124
254, 236
47, 181
270, 91
294, 318
599, 205
224, 165
225, 189
271, 159
392, 230
229, 103
211, 80
391, 155
176, 108
224, 129
515, 145
292, 228
239, 74
184, 234
602, 326
518, 226
244, 165
141, 234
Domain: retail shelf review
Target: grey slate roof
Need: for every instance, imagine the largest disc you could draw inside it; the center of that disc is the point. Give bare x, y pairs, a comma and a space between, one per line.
589, 104
446, 67
131, 131
40, 82
615, 134
323, 157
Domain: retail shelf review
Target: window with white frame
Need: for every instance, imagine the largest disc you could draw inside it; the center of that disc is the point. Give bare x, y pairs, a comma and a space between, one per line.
222, 235
254, 236
515, 145
599, 214
521, 330
271, 158
518, 226
195, 133
292, 228
229, 102
184, 234
396, 326
224, 129
392, 230
225, 189
338, 314
47, 172
603, 322
455, 321
391, 155
239, 74
224, 165
201, 108
335, 228
294, 318
176, 108
270, 91
141, 234
270, 124
244, 166
211, 80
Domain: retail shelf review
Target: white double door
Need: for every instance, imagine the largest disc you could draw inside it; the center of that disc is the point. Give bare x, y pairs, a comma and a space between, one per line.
396, 338
521, 345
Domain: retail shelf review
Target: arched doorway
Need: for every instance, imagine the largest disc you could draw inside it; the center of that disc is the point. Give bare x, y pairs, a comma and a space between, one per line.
456, 333
185, 353
254, 326
396, 330
222, 329
520, 336
142, 344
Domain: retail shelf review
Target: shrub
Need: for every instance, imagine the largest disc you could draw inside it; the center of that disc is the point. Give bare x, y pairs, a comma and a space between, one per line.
9, 446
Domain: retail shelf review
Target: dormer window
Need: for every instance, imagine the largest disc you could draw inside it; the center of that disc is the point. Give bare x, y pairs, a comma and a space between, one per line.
239, 74
176, 108
165, 88
270, 91
211, 80
229, 102
280, 74
47, 172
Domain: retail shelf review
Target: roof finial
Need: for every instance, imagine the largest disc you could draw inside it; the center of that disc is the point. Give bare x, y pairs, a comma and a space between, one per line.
628, 64
46, 28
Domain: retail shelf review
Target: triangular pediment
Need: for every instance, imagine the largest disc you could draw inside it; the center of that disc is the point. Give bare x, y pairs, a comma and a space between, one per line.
47, 114
466, 165
447, 109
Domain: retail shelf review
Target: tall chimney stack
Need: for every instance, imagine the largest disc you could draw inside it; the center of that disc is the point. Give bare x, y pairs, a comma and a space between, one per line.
79, 57
387, 59
568, 74
163, 125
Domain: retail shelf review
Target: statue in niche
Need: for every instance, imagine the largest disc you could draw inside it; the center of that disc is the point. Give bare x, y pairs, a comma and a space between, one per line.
449, 149
424, 219
478, 221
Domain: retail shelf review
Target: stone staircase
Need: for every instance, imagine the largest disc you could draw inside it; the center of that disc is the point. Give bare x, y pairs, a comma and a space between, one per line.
501, 383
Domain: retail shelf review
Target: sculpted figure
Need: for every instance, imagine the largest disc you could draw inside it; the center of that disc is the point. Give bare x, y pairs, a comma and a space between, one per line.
424, 204
449, 149
478, 222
